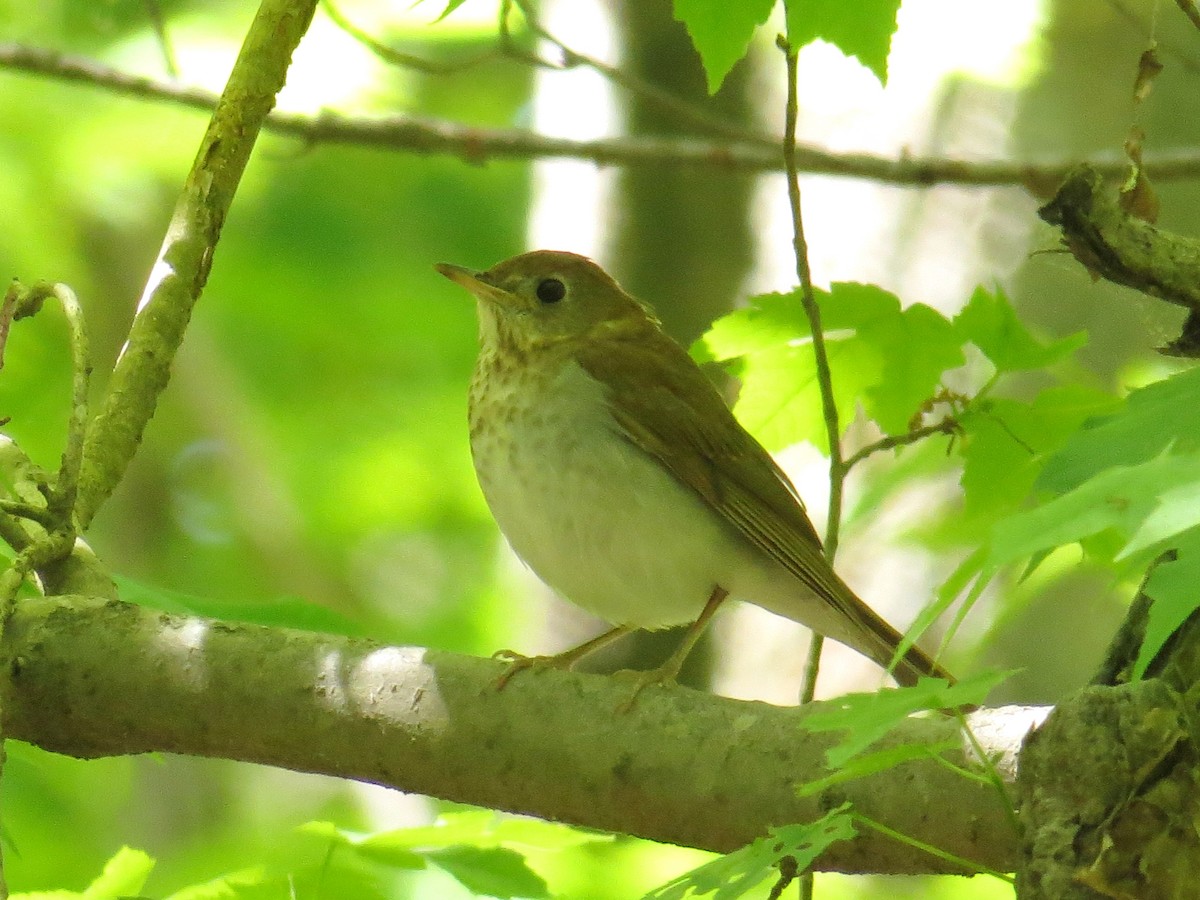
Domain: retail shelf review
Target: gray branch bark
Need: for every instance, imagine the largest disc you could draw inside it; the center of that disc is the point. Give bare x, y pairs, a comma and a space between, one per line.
89, 677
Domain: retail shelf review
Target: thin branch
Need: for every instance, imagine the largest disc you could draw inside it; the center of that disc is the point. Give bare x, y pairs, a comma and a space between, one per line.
948, 425
395, 57
61, 502
183, 265
931, 849
1122, 248
475, 145
12, 531
652, 94
19, 509
8, 312
837, 472
812, 310
571, 58
1185, 56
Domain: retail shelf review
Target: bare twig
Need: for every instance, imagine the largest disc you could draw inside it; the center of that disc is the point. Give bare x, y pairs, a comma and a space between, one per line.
43, 548
61, 503
1184, 56
12, 531
429, 136
22, 510
948, 425
8, 312
394, 57
837, 470
571, 58
651, 93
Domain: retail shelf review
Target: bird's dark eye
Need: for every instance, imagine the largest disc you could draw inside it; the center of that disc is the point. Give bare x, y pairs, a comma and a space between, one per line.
551, 290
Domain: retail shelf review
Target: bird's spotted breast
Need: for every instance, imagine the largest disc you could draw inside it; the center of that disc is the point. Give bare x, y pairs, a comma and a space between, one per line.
589, 512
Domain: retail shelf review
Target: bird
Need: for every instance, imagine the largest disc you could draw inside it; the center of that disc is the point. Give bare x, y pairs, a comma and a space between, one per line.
619, 475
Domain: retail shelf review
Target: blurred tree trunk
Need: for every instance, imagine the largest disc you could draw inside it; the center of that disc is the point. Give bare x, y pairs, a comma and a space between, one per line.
681, 237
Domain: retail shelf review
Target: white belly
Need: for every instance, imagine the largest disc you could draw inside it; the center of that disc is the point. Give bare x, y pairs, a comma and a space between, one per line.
593, 516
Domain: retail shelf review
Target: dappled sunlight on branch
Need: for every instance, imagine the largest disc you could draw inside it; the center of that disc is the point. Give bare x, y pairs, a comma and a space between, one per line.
182, 644
395, 683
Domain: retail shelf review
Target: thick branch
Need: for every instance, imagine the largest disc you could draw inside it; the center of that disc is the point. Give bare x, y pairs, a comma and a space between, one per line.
92, 678
423, 135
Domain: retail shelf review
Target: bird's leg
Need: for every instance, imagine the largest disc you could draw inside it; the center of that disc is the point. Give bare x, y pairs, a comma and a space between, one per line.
669, 670
565, 660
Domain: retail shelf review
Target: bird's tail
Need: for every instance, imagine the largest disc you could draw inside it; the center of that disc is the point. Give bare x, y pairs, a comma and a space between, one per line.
879, 641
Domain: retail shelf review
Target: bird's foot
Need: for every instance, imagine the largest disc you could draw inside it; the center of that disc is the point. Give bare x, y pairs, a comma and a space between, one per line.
664, 675
669, 670
518, 663
565, 660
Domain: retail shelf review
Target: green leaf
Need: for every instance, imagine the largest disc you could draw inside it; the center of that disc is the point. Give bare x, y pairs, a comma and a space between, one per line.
124, 874
384, 847
1173, 588
1007, 443
467, 845
1178, 511
1154, 418
862, 29
721, 31
769, 322
242, 885
889, 359
290, 612
451, 6
868, 717
497, 872
538, 834
737, 873
991, 324
477, 828
874, 763
914, 347
780, 400
1121, 499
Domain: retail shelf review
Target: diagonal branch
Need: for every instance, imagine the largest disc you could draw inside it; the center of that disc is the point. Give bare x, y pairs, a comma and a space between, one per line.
183, 264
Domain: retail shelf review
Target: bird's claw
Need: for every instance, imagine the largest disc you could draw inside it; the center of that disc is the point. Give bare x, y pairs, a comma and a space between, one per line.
518, 663
664, 675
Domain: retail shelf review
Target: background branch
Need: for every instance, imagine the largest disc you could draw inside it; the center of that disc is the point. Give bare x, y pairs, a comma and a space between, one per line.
476, 145
93, 678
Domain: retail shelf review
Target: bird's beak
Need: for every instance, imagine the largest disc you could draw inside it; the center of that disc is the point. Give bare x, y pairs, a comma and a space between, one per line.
473, 282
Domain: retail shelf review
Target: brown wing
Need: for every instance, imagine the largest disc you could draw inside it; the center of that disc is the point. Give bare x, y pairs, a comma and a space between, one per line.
668, 408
